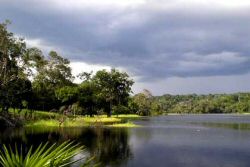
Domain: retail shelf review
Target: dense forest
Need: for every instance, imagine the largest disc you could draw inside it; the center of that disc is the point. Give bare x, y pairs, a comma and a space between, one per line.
212, 103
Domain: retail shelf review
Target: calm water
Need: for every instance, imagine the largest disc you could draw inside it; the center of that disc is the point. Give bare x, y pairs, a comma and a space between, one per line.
174, 141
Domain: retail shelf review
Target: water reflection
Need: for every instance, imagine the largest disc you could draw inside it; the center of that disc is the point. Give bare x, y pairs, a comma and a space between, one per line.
235, 126
110, 147
179, 141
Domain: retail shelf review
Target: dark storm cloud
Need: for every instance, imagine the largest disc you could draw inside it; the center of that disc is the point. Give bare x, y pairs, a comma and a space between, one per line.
152, 42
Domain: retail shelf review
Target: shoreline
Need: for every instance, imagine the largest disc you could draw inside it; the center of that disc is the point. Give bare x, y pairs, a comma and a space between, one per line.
83, 121
172, 114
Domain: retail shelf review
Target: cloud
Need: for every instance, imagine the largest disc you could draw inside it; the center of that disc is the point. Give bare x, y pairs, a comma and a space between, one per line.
199, 85
226, 63
152, 39
78, 67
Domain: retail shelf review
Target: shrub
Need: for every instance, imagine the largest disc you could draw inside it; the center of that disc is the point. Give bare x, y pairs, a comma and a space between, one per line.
44, 156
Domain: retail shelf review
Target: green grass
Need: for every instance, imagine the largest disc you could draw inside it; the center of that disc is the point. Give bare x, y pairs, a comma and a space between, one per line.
100, 119
124, 125
47, 123
244, 113
75, 122
35, 114
126, 116
50, 119
82, 121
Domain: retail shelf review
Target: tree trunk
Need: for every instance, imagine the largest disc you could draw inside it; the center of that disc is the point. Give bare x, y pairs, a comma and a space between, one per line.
110, 109
91, 111
6, 110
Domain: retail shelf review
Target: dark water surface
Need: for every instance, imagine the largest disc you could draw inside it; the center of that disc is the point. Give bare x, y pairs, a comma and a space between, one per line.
166, 141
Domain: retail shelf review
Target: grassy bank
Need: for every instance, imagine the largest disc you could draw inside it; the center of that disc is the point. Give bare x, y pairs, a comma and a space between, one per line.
45, 119
35, 114
237, 113
244, 113
124, 125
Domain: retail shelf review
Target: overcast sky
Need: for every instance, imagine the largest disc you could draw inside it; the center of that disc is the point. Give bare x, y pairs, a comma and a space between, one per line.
167, 46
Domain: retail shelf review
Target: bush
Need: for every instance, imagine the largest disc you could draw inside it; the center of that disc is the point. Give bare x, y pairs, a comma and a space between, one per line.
120, 109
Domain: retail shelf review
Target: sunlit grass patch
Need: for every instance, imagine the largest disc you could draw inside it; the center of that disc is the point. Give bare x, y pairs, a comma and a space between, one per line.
244, 113
125, 125
81, 121
75, 122
126, 116
101, 119
56, 123
45, 123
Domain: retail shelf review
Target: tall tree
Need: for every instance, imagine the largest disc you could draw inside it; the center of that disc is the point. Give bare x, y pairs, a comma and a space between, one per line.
113, 86
143, 102
34, 62
11, 54
52, 73
87, 97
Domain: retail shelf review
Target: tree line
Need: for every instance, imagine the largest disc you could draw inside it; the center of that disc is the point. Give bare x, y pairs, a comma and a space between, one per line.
212, 103
192, 103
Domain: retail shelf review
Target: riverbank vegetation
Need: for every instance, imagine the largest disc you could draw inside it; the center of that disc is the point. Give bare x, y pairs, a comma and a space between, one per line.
213, 103
83, 121
236, 103
32, 81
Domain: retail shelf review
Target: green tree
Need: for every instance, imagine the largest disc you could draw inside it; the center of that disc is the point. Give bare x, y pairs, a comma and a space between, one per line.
34, 62
114, 87
67, 94
11, 73
143, 103
52, 74
87, 97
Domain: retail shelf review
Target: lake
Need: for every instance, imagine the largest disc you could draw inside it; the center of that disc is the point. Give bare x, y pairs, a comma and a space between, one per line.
174, 141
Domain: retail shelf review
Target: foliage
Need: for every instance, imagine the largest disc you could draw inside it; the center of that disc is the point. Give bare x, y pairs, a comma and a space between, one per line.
11, 70
143, 101
44, 156
34, 81
52, 74
216, 103
67, 94
113, 87
88, 97
120, 109
146, 104
35, 115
